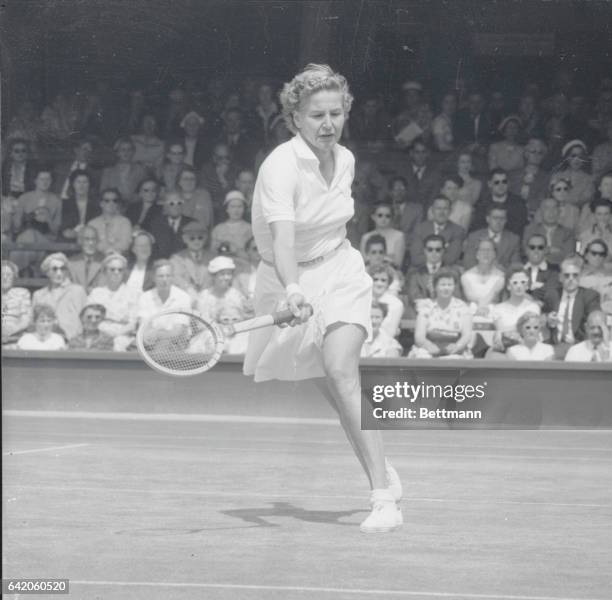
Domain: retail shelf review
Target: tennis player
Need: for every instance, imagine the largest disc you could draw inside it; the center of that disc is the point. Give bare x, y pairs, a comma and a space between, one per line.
301, 204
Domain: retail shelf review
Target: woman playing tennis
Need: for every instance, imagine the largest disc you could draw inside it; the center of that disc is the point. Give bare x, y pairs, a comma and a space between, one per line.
301, 204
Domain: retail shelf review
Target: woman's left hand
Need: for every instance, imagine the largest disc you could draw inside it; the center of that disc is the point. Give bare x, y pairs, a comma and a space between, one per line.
297, 305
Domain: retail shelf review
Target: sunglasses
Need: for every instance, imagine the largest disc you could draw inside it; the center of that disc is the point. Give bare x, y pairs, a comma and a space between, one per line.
571, 275
531, 327
376, 251
597, 252
383, 279
383, 215
500, 181
433, 249
562, 189
193, 238
96, 317
174, 202
115, 269
62, 268
536, 247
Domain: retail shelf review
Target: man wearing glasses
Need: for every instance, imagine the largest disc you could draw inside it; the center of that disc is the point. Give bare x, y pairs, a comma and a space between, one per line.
167, 228
91, 338
568, 307
560, 241
498, 195
543, 277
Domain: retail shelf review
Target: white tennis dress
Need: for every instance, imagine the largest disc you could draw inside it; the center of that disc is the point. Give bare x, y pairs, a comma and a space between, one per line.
290, 187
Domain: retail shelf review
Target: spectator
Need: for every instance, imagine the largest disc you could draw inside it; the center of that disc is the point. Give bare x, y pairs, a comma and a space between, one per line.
604, 191
25, 125
125, 174
382, 215
178, 107
595, 274
461, 209
543, 276
279, 133
16, 304
235, 343
498, 195
382, 278
191, 264
530, 347
175, 162
148, 148
404, 126
472, 126
507, 243
80, 207
86, 266
380, 344
91, 338
43, 337
483, 283
234, 231
220, 293
602, 227
236, 138
423, 180
602, 155
575, 159
119, 302
264, 113
444, 324
167, 227
146, 208
218, 176
406, 213
507, 154
597, 346
81, 150
370, 123
66, 298
440, 224
569, 215
531, 126
567, 308
139, 275
18, 171
376, 256
59, 120
471, 189
560, 241
363, 193
12, 218
496, 112
554, 136
165, 295
197, 149
198, 201
531, 181
507, 313
114, 230
245, 183
443, 125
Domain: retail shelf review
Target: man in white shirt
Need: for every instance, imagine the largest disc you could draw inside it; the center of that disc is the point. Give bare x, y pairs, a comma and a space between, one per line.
542, 276
597, 347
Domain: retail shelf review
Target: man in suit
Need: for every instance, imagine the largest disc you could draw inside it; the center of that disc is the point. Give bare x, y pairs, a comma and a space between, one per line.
568, 307
543, 277
125, 174
531, 182
18, 169
506, 242
420, 279
560, 241
86, 267
452, 234
472, 125
167, 228
81, 150
191, 264
196, 141
498, 195
234, 134
423, 181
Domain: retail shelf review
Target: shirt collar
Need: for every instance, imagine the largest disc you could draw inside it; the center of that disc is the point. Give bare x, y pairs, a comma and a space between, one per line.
543, 266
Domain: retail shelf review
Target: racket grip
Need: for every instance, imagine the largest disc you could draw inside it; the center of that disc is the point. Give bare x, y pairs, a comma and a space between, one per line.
285, 316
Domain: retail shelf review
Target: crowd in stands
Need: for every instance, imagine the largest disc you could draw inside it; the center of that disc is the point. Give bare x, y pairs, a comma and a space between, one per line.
485, 221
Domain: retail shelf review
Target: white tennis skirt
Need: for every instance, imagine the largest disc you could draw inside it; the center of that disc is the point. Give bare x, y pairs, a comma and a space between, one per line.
339, 289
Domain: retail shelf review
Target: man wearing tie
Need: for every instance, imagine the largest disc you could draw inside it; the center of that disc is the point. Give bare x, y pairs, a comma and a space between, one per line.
423, 182
167, 228
567, 308
597, 347
86, 267
543, 277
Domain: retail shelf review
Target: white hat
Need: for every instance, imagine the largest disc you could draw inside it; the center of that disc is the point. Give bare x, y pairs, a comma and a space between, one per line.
114, 256
572, 144
220, 263
57, 256
507, 120
412, 85
234, 195
192, 115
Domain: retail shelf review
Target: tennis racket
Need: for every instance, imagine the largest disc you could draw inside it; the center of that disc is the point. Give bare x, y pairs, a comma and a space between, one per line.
181, 343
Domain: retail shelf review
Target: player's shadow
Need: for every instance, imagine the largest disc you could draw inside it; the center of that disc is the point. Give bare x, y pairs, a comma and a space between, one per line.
257, 516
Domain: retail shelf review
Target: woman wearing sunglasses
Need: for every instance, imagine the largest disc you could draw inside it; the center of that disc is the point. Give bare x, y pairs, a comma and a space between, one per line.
574, 168
114, 230
530, 348
595, 274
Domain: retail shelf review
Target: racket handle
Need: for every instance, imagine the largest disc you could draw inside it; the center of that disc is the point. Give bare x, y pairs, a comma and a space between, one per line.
286, 316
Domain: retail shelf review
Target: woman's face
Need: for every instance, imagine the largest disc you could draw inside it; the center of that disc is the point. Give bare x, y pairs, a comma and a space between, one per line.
464, 164
485, 255
44, 325
530, 331
560, 191
445, 287
57, 272
114, 273
141, 248
8, 278
450, 189
595, 255
605, 187
43, 181
517, 285
223, 279
175, 155
398, 191
187, 181
320, 119
602, 216
109, 204
229, 316
575, 158
81, 185
380, 284
235, 210
148, 192
382, 217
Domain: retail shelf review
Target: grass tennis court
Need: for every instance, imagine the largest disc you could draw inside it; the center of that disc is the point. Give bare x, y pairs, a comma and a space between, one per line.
155, 504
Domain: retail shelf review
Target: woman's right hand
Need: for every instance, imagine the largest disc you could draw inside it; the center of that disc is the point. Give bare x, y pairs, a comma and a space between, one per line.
297, 305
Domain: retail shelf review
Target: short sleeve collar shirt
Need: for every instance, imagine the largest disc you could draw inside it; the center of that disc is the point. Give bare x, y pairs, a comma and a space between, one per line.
290, 187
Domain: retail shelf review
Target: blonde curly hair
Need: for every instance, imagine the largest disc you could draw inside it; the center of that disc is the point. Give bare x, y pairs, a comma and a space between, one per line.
310, 80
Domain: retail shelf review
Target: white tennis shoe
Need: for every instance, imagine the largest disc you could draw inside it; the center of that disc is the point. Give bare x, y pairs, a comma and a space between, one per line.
386, 515
394, 485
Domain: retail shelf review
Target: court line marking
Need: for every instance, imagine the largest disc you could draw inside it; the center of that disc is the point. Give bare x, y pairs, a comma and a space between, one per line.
49, 449
202, 418
295, 440
407, 499
328, 590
